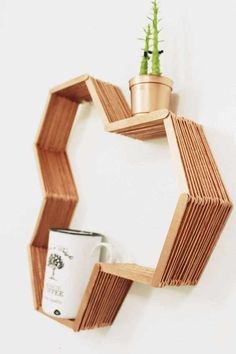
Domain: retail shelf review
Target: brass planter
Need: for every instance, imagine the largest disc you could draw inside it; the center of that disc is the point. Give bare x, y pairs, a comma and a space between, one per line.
149, 93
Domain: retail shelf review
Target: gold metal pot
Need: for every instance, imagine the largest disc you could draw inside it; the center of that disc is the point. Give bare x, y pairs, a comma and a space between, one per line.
149, 93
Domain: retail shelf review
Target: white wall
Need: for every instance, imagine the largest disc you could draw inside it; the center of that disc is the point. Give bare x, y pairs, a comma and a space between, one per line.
127, 188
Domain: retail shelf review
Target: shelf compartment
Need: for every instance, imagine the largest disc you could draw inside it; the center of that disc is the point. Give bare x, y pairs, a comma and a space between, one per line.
102, 299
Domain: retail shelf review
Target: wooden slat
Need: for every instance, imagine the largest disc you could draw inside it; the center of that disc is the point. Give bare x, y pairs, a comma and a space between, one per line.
133, 272
109, 99
77, 81
75, 90
56, 175
57, 123
55, 212
175, 225
102, 300
176, 155
197, 230
38, 262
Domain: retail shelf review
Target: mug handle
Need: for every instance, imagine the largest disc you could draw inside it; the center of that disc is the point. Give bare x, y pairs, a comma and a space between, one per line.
108, 249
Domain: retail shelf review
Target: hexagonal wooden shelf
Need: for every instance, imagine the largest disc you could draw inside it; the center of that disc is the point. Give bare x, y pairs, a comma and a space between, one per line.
200, 214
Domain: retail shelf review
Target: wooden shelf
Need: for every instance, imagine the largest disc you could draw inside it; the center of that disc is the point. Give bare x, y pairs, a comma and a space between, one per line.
132, 272
98, 307
143, 126
201, 212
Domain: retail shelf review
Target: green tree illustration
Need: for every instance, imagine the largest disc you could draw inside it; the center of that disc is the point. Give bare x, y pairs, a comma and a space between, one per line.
55, 262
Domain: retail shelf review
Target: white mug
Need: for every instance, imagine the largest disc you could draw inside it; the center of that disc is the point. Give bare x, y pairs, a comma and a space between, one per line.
71, 257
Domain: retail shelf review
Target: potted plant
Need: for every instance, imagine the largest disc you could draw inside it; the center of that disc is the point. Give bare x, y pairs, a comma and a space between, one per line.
150, 91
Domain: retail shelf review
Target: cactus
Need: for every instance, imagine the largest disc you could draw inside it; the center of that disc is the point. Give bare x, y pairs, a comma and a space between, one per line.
155, 33
151, 32
144, 63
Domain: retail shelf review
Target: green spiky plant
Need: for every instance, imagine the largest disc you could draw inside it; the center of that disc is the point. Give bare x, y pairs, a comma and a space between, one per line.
144, 63
152, 32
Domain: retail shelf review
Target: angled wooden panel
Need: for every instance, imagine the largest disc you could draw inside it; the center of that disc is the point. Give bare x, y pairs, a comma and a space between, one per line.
176, 155
38, 261
196, 225
56, 173
57, 122
109, 99
102, 300
55, 212
174, 229
75, 90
